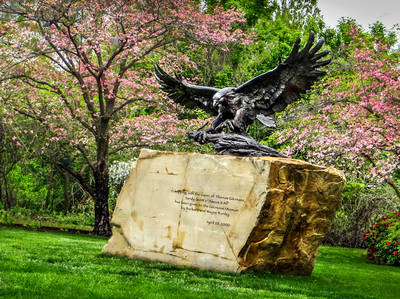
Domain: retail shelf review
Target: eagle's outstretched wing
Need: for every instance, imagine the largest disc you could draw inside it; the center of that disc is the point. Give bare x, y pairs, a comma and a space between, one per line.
274, 90
189, 95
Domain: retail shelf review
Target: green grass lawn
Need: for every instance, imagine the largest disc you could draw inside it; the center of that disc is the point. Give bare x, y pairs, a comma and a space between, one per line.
54, 265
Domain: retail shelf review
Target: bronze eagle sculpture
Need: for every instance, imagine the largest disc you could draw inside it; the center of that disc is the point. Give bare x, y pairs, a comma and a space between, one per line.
260, 98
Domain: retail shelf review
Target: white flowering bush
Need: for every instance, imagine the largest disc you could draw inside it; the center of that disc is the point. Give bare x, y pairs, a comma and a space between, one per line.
119, 171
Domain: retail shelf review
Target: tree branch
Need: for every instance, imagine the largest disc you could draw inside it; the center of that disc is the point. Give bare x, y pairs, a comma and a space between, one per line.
36, 117
56, 90
86, 157
126, 103
396, 190
126, 147
89, 189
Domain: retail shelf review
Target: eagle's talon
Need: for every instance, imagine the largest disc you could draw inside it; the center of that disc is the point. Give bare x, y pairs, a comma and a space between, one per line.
200, 137
209, 131
229, 124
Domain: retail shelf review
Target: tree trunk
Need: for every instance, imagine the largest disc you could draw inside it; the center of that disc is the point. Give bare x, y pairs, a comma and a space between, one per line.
7, 200
46, 204
396, 190
1, 192
101, 176
101, 213
67, 198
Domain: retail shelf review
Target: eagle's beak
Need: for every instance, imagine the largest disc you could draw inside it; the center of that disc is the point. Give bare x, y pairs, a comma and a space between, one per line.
215, 103
217, 100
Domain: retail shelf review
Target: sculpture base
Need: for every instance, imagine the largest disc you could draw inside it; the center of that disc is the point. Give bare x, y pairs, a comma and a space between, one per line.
235, 145
225, 213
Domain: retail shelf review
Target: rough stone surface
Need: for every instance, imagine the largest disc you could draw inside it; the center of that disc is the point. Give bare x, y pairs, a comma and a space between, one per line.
225, 213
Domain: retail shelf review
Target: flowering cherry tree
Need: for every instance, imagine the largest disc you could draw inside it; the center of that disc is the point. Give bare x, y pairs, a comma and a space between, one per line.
81, 71
356, 124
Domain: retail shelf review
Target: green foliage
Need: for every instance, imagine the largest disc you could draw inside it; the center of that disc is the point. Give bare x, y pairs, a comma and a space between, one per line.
254, 9
273, 43
364, 198
385, 36
339, 37
383, 240
32, 219
259, 132
352, 190
341, 42
201, 114
274, 25
29, 184
65, 266
40, 189
224, 77
295, 13
361, 204
5, 218
73, 218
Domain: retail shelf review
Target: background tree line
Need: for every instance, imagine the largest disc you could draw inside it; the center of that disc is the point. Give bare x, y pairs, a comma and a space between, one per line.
78, 97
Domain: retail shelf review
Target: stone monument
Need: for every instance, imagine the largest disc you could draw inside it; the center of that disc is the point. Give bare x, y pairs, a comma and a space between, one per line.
250, 207
225, 213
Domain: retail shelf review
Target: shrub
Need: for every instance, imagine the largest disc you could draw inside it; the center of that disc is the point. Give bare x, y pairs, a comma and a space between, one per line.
383, 240
119, 171
4, 217
361, 206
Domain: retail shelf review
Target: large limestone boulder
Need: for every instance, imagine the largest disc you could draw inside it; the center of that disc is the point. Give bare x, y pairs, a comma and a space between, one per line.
225, 213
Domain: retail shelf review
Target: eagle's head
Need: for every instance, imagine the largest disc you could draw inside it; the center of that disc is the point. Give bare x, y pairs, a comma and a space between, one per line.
219, 97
